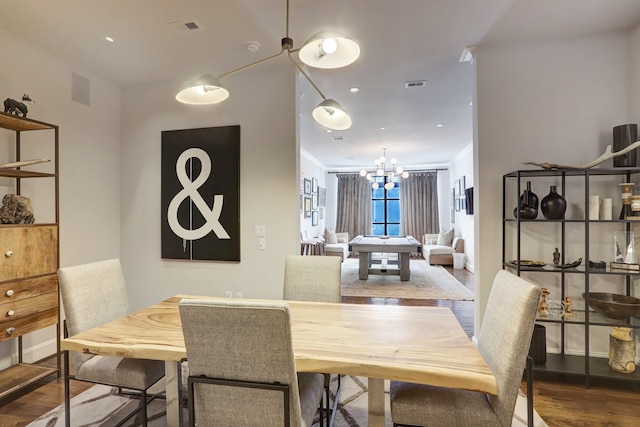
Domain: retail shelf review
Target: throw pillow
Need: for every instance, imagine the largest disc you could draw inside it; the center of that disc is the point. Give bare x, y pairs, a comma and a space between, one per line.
445, 237
330, 237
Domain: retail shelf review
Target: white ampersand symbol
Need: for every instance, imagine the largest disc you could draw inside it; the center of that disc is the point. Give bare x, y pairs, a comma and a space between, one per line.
190, 189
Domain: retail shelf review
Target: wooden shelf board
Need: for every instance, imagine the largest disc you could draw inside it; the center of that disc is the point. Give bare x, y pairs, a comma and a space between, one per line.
13, 122
18, 376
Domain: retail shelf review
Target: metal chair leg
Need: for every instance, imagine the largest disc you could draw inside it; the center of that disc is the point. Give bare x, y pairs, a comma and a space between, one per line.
67, 399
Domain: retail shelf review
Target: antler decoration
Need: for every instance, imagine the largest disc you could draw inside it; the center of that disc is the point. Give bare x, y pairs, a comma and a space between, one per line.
605, 156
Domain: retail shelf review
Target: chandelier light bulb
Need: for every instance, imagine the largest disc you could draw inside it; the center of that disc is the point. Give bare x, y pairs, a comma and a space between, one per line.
405, 174
380, 172
376, 162
389, 186
394, 161
399, 170
328, 46
369, 176
375, 186
363, 172
383, 159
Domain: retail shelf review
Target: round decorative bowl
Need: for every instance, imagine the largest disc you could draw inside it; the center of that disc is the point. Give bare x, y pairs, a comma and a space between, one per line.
614, 306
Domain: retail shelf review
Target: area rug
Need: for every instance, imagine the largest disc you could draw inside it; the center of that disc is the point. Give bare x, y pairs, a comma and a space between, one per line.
101, 406
426, 282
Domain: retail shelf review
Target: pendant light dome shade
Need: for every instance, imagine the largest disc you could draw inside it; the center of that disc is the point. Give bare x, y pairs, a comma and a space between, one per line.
329, 50
331, 114
204, 90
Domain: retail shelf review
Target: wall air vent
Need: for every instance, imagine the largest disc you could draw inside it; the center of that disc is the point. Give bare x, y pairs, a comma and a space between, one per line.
416, 83
186, 26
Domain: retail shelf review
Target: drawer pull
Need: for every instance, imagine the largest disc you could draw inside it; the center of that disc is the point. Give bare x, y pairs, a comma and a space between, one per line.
8, 254
11, 330
11, 313
9, 293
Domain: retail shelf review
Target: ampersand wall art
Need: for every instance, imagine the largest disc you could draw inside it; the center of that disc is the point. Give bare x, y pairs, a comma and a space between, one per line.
201, 194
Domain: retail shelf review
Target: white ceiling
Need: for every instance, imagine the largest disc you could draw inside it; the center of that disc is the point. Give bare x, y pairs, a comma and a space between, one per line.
400, 40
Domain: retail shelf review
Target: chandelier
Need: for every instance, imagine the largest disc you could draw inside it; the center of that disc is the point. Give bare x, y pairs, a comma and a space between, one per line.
381, 170
323, 50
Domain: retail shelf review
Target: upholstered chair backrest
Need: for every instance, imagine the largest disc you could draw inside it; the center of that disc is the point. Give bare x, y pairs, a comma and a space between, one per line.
92, 295
505, 336
241, 341
312, 278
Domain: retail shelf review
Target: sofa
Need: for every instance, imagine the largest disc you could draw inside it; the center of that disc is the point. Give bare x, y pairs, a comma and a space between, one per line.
336, 244
441, 253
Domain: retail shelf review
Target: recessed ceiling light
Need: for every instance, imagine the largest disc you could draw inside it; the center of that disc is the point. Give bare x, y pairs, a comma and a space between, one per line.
329, 130
383, 128
354, 89
439, 125
109, 39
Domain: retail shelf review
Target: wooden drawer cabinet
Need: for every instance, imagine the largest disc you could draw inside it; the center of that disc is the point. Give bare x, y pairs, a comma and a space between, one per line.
29, 257
28, 305
30, 315
28, 251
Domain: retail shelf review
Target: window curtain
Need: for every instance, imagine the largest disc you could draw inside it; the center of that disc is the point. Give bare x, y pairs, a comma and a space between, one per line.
419, 204
354, 205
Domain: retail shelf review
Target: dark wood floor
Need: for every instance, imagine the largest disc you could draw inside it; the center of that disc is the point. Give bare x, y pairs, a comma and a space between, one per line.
559, 403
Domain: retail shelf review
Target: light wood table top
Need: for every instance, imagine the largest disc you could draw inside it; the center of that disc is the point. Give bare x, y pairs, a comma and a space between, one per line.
414, 344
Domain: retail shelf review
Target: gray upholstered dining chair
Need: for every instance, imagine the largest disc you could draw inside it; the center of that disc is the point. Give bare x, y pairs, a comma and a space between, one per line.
92, 295
242, 368
315, 279
503, 342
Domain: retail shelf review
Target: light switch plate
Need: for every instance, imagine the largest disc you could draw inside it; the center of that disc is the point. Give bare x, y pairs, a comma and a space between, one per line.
260, 230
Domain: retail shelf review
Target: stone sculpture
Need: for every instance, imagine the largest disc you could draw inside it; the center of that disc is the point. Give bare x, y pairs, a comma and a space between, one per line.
16, 209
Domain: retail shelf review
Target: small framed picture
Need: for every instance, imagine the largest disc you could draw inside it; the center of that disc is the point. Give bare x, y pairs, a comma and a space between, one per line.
314, 201
307, 207
321, 212
307, 186
453, 216
314, 218
453, 198
314, 186
322, 197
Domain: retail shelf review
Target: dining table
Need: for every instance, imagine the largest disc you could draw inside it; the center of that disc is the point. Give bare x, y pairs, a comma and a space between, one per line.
418, 344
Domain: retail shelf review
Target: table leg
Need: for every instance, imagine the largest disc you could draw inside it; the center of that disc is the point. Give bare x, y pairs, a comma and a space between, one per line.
376, 402
404, 266
173, 402
363, 271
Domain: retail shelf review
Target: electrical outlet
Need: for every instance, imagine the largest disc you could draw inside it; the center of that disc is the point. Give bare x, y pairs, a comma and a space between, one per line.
262, 244
228, 294
239, 295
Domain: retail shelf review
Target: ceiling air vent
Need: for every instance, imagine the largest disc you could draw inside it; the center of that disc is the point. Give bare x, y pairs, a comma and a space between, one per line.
416, 83
186, 26
337, 138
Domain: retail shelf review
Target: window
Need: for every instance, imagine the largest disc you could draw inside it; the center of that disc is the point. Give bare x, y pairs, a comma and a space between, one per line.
385, 205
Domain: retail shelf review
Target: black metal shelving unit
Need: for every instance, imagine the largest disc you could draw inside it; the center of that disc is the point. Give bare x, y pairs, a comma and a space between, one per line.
585, 366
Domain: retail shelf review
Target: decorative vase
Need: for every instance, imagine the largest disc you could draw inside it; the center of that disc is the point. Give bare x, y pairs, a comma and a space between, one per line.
622, 350
528, 204
623, 136
553, 205
526, 212
529, 198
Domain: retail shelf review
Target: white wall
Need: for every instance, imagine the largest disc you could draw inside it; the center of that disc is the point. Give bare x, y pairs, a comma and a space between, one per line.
89, 161
268, 186
461, 166
553, 101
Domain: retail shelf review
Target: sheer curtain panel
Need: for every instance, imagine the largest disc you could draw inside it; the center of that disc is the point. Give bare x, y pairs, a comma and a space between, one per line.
354, 205
419, 204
